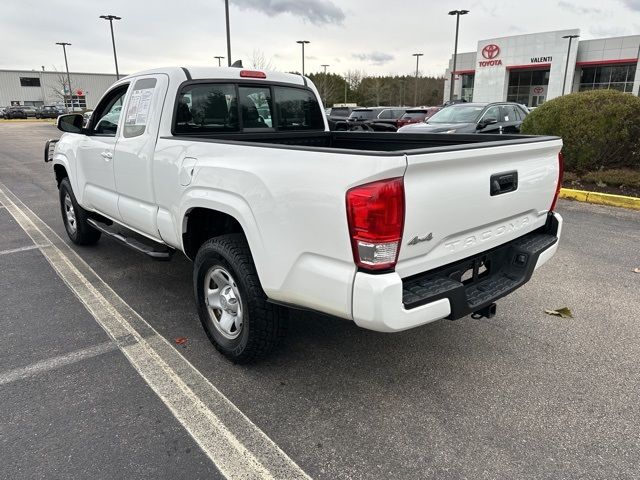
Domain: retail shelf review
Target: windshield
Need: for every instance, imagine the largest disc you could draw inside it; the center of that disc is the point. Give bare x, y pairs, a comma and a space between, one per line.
457, 114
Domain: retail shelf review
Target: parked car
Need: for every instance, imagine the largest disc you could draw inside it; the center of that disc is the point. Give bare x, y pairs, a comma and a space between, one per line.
15, 112
376, 118
30, 110
416, 115
389, 231
48, 111
498, 117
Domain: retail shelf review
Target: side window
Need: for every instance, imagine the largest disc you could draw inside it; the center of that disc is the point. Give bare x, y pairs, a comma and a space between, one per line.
255, 107
508, 114
135, 119
107, 114
493, 113
521, 112
297, 109
385, 114
207, 108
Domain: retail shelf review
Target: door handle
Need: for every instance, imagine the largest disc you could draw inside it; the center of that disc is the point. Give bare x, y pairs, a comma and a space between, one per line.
107, 155
503, 183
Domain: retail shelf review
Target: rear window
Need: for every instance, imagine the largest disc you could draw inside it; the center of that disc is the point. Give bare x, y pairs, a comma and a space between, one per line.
225, 108
363, 114
207, 108
297, 109
340, 112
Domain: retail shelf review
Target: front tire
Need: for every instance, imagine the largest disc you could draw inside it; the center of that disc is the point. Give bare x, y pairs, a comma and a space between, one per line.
232, 306
75, 217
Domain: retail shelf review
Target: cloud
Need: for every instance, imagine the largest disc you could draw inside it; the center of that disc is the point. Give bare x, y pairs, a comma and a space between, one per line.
319, 12
632, 4
608, 31
376, 58
573, 8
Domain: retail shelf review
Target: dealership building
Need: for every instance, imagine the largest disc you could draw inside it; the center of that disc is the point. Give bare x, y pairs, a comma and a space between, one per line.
38, 87
533, 68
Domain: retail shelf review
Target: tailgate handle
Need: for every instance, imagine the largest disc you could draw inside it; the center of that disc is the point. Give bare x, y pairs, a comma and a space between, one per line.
503, 183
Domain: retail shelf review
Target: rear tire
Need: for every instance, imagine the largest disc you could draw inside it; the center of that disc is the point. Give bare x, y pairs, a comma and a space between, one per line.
232, 306
75, 217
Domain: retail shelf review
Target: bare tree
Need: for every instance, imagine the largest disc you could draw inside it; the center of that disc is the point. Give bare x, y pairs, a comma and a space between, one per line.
62, 92
260, 62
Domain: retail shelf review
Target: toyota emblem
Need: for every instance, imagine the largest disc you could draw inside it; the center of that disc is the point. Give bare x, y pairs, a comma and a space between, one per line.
538, 90
491, 51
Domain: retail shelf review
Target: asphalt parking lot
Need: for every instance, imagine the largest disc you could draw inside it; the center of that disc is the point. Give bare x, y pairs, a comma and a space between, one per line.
523, 395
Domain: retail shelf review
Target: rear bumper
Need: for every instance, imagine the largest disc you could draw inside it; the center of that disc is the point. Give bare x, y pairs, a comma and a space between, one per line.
388, 303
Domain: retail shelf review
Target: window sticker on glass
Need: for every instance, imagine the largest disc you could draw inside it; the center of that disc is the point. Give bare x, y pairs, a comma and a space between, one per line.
139, 107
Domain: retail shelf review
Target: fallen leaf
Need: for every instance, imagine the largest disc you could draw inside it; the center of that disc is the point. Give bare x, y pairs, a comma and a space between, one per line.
181, 340
636, 270
563, 312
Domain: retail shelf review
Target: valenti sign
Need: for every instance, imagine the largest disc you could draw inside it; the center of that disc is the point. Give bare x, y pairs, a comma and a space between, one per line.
490, 53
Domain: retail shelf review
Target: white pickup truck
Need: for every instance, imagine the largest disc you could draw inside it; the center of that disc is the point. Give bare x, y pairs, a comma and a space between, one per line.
238, 170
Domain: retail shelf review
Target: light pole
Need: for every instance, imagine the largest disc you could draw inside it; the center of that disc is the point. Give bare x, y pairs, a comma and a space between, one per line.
226, 14
457, 13
566, 67
415, 93
324, 83
111, 18
303, 42
219, 60
66, 64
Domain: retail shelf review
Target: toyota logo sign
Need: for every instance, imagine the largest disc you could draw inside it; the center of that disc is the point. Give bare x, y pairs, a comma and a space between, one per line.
491, 51
538, 90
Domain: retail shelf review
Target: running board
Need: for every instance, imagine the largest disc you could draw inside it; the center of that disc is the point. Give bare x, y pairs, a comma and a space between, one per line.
163, 254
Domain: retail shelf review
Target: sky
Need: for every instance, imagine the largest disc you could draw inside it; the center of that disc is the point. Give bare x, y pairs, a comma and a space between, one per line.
377, 37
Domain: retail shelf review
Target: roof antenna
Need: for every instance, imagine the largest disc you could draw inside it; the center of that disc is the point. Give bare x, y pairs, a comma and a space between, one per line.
237, 64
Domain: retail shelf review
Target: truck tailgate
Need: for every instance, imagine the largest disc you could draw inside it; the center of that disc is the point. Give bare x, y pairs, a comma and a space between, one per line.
452, 210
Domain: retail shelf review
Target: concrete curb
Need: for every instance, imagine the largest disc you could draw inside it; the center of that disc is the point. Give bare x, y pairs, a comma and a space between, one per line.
601, 198
27, 120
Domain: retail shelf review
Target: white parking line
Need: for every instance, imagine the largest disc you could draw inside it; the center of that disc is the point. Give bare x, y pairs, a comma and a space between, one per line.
20, 249
236, 445
55, 362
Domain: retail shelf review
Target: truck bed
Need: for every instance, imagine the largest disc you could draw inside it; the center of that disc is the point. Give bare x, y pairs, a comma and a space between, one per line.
370, 143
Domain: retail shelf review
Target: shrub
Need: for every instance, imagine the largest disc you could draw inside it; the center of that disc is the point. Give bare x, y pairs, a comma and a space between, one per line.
599, 128
615, 178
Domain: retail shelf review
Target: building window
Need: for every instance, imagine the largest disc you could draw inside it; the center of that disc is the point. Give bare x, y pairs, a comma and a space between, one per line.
29, 82
467, 86
521, 83
608, 77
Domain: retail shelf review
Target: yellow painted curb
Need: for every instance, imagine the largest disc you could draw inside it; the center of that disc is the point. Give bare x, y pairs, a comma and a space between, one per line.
601, 198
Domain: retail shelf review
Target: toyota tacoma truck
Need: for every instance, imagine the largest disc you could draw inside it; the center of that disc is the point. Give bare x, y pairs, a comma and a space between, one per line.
238, 170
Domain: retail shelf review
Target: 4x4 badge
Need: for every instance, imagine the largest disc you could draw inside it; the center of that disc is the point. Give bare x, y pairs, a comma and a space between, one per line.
416, 240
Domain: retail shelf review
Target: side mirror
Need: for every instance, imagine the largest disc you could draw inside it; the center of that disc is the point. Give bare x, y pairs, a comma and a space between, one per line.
71, 123
485, 122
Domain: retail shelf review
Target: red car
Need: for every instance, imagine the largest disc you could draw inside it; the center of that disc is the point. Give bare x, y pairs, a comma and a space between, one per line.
416, 115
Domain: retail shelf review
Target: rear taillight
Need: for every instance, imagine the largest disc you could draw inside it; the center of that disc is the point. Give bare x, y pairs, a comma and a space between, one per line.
559, 186
375, 213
